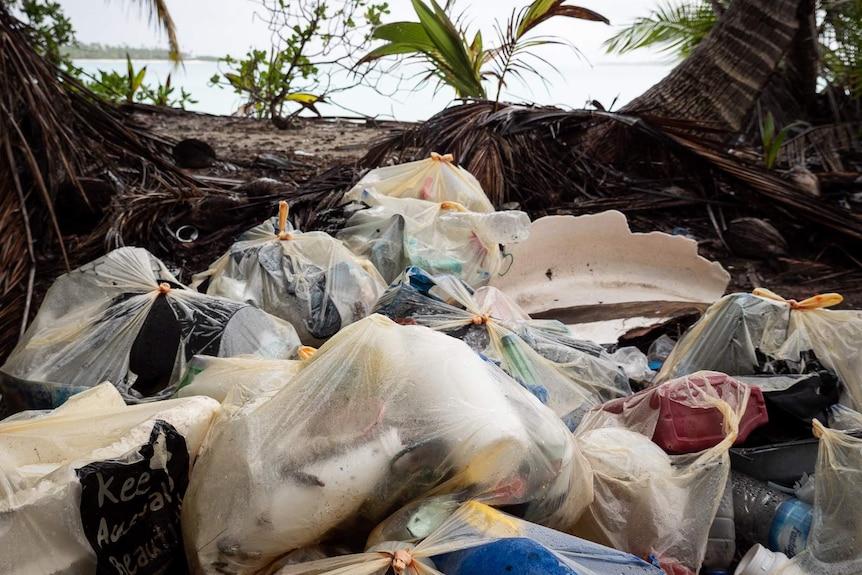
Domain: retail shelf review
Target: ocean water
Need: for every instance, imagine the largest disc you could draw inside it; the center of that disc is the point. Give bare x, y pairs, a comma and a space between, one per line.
574, 85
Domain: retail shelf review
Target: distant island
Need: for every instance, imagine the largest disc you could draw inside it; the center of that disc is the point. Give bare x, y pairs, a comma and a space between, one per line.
96, 51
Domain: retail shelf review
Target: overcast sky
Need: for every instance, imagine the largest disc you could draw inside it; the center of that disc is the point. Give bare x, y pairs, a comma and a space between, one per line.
219, 27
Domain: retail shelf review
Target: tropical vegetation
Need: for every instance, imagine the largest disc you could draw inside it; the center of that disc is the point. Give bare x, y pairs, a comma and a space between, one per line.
462, 60
677, 26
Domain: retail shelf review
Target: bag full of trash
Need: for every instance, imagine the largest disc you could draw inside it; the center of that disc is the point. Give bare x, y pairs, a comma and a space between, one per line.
381, 415
568, 375
96, 486
647, 502
216, 376
479, 540
435, 179
124, 318
744, 334
441, 238
835, 541
308, 279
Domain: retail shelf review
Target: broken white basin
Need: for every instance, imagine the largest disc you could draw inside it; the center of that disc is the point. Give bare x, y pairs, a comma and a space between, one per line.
588, 270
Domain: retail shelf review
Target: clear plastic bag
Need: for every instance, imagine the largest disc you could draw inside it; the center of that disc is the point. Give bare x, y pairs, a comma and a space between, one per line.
310, 279
570, 376
441, 238
381, 415
216, 376
647, 502
473, 525
436, 179
744, 334
95, 486
125, 319
835, 541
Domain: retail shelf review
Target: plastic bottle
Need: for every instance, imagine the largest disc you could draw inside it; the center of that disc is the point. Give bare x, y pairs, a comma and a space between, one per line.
721, 545
766, 515
760, 561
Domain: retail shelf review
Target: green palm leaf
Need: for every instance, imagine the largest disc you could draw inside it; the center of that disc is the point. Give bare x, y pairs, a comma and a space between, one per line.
674, 27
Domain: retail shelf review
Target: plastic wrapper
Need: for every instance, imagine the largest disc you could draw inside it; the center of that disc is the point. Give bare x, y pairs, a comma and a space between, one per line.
646, 501
471, 526
96, 486
570, 376
743, 334
381, 415
436, 179
441, 238
835, 541
309, 279
125, 319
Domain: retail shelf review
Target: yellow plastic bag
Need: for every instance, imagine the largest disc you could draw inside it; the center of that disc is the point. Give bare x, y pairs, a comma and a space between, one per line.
835, 541
647, 502
471, 525
96, 486
436, 179
381, 415
737, 332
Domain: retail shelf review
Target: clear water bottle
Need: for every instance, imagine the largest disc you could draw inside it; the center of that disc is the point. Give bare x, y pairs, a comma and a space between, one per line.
721, 545
768, 516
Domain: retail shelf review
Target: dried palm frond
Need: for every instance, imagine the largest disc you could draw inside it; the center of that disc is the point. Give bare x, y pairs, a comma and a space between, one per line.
53, 131
533, 156
825, 143
514, 151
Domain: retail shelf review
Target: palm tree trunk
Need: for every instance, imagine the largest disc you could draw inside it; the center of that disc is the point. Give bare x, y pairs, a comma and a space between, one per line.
721, 80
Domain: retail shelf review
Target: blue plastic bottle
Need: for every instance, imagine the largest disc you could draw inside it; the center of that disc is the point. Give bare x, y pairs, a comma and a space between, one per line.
790, 527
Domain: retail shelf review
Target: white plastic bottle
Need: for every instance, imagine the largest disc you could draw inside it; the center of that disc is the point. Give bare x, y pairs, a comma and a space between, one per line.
721, 546
760, 561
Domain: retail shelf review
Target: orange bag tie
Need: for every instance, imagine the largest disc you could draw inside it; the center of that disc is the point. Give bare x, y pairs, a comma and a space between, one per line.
164, 288
282, 221
305, 352
815, 302
401, 560
452, 206
446, 158
483, 318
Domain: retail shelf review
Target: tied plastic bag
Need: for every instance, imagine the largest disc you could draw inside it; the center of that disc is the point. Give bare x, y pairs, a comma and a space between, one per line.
216, 376
646, 501
308, 279
569, 376
471, 526
742, 334
382, 414
125, 318
835, 541
436, 179
96, 486
395, 233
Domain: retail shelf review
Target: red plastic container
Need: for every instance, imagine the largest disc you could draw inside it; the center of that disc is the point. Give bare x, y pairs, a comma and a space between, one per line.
683, 429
